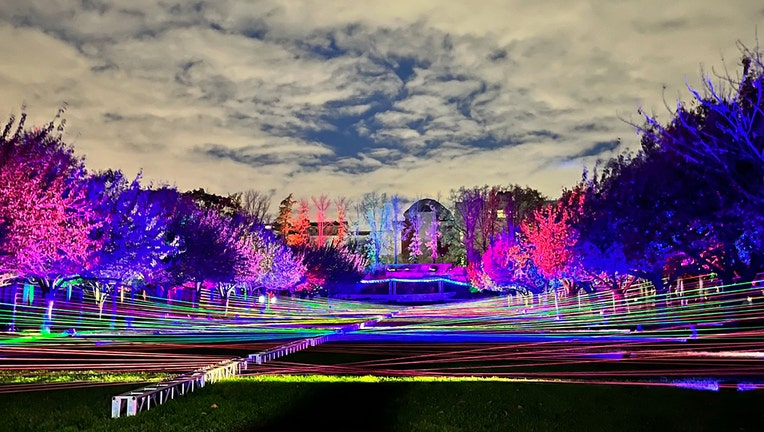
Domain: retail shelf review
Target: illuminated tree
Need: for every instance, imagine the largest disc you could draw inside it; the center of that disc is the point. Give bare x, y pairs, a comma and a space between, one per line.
280, 268
392, 215
342, 230
373, 210
412, 230
46, 220
551, 241
208, 242
434, 234
134, 232
507, 267
722, 130
720, 138
497, 264
284, 221
469, 205
322, 204
300, 234
632, 207
331, 269
482, 213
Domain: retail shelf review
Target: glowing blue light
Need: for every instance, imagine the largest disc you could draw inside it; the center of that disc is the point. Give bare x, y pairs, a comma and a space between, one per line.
420, 280
746, 386
698, 384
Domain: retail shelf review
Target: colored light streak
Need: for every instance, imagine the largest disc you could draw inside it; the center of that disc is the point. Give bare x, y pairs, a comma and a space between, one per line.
694, 342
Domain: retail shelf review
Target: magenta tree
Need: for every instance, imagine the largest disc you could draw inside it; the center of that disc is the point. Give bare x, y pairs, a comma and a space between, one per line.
46, 220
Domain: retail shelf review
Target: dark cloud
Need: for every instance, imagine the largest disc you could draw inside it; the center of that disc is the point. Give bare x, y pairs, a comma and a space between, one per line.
242, 156
597, 149
112, 117
645, 26
590, 127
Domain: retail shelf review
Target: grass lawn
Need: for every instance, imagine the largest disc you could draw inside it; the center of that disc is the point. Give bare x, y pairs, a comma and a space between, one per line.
354, 404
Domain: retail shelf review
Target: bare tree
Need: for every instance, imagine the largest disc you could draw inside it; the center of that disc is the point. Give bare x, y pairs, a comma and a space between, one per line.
257, 204
322, 204
342, 204
372, 209
394, 222
433, 233
469, 205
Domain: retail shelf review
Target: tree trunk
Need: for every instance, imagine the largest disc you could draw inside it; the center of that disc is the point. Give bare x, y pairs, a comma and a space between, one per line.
619, 299
661, 291
113, 323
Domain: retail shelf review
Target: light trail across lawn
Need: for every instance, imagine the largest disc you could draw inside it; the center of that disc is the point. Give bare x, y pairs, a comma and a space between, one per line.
696, 342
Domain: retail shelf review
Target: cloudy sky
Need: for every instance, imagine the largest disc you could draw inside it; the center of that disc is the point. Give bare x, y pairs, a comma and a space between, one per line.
344, 97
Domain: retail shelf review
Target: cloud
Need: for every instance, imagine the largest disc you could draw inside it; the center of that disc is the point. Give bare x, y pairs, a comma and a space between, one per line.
349, 97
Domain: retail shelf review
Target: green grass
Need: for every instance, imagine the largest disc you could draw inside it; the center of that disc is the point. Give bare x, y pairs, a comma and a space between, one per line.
48, 376
384, 404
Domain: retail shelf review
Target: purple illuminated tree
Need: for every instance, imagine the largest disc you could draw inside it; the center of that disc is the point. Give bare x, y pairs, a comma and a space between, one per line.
280, 268
331, 269
633, 208
469, 205
208, 244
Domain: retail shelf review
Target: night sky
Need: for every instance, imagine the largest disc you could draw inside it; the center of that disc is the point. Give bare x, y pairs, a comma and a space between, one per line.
415, 97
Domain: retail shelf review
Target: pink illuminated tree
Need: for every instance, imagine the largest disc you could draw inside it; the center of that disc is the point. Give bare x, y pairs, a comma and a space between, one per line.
280, 268
551, 240
46, 219
342, 230
322, 204
434, 233
413, 231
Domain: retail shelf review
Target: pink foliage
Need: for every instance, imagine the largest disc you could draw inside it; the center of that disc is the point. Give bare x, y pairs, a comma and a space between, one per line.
550, 240
46, 220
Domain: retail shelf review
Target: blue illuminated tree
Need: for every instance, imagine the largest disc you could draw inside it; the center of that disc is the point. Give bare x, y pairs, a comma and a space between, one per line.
134, 230
721, 134
373, 211
722, 128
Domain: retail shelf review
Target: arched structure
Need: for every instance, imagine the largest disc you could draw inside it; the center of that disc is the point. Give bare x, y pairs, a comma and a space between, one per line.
427, 214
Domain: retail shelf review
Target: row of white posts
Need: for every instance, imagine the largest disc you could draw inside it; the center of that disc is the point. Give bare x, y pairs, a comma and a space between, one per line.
132, 402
